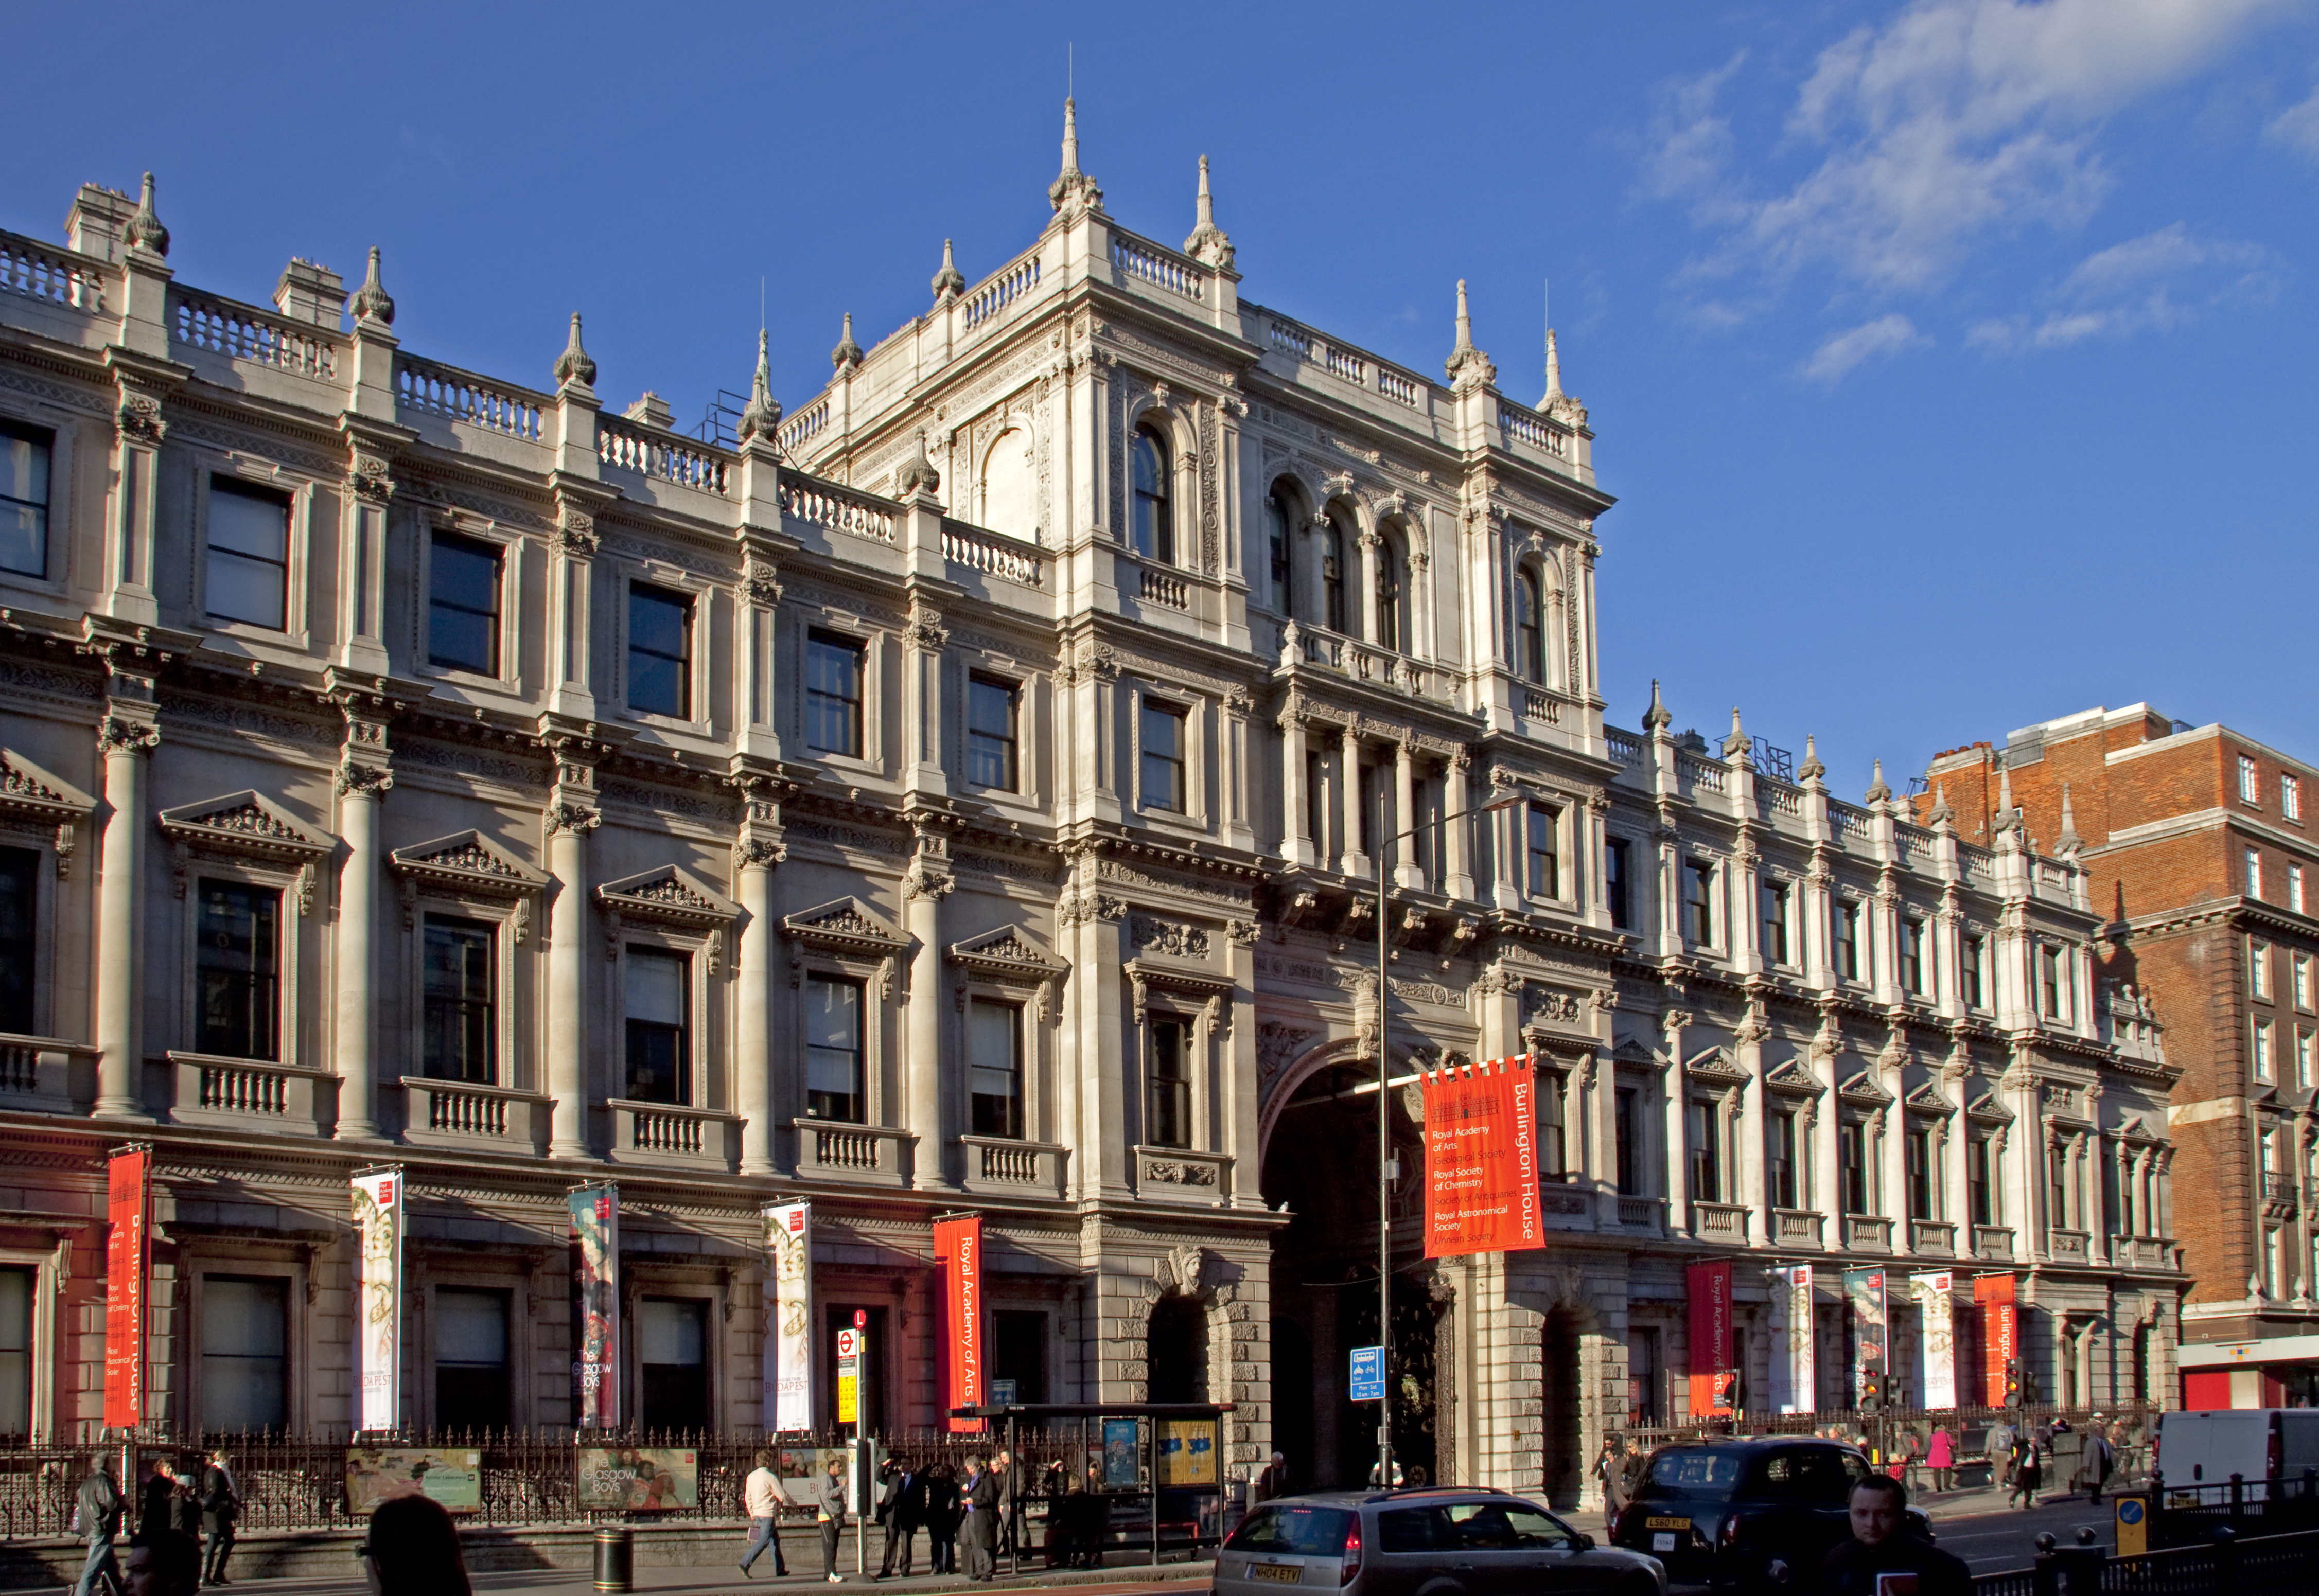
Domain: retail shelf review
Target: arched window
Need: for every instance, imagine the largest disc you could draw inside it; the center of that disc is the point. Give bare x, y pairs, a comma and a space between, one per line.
1332, 574
1279, 523
1154, 522
1529, 655
1391, 614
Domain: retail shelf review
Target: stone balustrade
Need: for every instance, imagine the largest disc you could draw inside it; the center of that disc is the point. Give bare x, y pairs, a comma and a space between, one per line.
1000, 1167
857, 1155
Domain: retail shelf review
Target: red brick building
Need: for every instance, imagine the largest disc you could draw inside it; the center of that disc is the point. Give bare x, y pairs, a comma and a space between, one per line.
2201, 848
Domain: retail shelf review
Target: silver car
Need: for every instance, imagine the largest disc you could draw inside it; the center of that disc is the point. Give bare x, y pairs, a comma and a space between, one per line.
1442, 1542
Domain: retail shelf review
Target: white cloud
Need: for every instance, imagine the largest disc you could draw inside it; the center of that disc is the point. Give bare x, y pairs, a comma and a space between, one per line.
2155, 283
1953, 120
2298, 127
1872, 341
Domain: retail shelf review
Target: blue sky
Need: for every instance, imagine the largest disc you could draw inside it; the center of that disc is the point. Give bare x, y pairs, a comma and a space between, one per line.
1946, 357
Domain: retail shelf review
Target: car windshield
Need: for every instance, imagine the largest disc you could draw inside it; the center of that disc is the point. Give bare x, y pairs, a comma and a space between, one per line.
1469, 1526
1692, 1471
1295, 1531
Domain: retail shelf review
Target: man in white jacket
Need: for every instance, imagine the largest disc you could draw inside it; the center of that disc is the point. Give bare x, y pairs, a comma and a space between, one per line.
763, 1499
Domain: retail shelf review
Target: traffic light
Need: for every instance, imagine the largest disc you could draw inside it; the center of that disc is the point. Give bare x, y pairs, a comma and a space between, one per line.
2012, 1382
1872, 1390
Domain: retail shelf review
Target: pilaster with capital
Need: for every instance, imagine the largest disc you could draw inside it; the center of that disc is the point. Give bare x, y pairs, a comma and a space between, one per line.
1458, 880
925, 761
1407, 870
571, 814
363, 780
127, 735
1354, 862
1675, 1114
925, 882
756, 852
1298, 846
1237, 773
571, 586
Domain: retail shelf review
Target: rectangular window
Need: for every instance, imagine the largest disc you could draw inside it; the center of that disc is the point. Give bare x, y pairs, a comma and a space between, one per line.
2057, 1187
2306, 1059
1018, 1351
20, 888
463, 605
2259, 967
994, 1048
1852, 1153
1629, 1128
1699, 902
2250, 783
2263, 1068
660, 652
1316, 807
833, 694
1643, 1367
1976, 954
16, 1350
245, 1353
659, 1010
1544, 863
471, 1358
2303, 980
1981, 1176
990, 737
248, 565
1784, 1159
462, 1042
237, 971
1847, 939
1615, 886
1776, 895
1919, 1156
2254, 872
1912, 956
2295, 888
2290, 796
672, 1362
1170, 1048
1706, 1154
1163, 744
833, 1056
24, 456
2049, 981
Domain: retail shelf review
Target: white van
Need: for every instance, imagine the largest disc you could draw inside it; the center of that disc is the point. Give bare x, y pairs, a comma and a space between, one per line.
2206, 1448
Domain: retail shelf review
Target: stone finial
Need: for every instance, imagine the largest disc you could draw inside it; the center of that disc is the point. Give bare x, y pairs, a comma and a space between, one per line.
372, 302
1072, 189
762, 414
1738, 742
1553, 371
2009, 815
145, 231
1811, 770
848, 353
948, 282
573, 365
1940, 814
1208, 242
1656, 718
919, 476
1878, 791
2068, 841
1468, 366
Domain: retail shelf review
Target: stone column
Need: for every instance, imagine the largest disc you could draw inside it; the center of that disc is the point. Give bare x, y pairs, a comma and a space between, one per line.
1314, 533
1298, 846
1406, 871
1362, 612
361, 786
1750, 1157
1956, 1157
754, 963
1826, 1055
925, 885
1234, 785
1676, 1107
1456, 796
127, 735
571, 816
1354, 862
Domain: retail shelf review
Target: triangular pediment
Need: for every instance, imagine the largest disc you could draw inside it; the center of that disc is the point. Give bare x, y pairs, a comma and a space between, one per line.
1928, 1096
25, 789
246, 822
846, 924
1862, 1088
1987, 1107
468, 859
671, 892
1715, 1064
1791, 1075
1005, 950
1631, 1051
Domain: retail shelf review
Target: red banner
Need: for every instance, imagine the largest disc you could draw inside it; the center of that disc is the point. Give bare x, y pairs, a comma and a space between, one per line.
958, 1248
1710, 1337
127, 1266
1481, 1159
1992, 1305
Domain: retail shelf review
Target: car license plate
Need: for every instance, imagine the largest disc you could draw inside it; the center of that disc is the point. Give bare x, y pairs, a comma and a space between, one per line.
1666, 1523
1663, 1541
1285, 1573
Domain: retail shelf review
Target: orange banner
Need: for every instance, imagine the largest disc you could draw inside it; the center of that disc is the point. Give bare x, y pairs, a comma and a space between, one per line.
1993, 1305
958, 1248
127, 1266
1709, 1286
1481, 1158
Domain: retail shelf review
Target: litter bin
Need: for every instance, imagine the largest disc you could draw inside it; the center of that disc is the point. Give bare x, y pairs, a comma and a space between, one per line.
615, 1558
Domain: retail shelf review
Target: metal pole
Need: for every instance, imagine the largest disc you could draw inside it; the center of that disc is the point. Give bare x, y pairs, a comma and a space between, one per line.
1385, 1184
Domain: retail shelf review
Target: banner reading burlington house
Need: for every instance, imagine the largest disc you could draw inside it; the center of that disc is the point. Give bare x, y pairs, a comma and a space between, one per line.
378, 1318
1481, 1158
1993, 1305
958, 1248
128, 1264
596, 1306
787, 1366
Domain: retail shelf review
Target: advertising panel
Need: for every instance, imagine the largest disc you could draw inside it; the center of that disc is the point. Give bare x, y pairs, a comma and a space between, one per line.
1864, 1289
128, 1267
958, 1248
1121, 1469
1795, 1367
1993, 1304
596, 1306
1936, 1338
452, 1476
636, 1479
1187, 1452
787, 1362
1481, 1158
1709, 1286
378, 1318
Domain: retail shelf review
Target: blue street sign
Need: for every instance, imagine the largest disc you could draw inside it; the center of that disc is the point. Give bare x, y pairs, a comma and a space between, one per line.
1002, 1393
1368, 1374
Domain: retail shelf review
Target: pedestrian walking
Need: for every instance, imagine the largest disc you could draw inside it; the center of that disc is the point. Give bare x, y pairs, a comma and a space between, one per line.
829, 1511
1940, 1456
901, 1508
977, 1530
1270, 1483
1611, 1470
2027, 1474
413, 1549
942, 1515
97, 1508
1001, 1474
186, 1504
221, 1511
2095, 1460
763, 1499
157, 1501
1998, 1448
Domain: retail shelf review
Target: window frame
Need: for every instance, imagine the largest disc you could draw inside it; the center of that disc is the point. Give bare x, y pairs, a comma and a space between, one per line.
1390, 583
691, 1063
252, 1263
1010, 743
2249, 780
496, 1027
1703, 1150
2262, 1058
1855, 1166
1783, 1165
663, 584
2254, 873
514, 1299
1845, 924
1534, 811
1163, 540
1914, 941
824, 971
1187, 1083
2295, 889
1983, 1178
1335, 576
54, 441
1529, 626
243, 479
864, 714
1181, 713
284, 1043
1618, 883
1018, 1068
1775, 898
1280, 536
504, 551
39, 928
2290, 796
1701, 881
2259, 967
1972, 974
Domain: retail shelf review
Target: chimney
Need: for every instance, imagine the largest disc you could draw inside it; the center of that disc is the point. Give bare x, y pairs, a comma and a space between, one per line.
94, 225
311, 293
651, 410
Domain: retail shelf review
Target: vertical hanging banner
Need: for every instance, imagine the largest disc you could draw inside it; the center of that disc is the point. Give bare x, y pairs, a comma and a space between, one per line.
1481, 1158
128, 1267
1936, 1338
1795, 1371
596, 1306
1710, 1337
1993, 1304
1864, 1289
788, 1369
958, 1248
378, 1315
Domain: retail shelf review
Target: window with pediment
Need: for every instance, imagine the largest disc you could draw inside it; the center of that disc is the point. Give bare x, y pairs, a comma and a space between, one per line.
667, 932
247, 873
468, 905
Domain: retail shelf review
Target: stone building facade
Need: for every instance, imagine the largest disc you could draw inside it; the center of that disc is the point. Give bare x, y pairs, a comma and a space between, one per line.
964, 793
2198, 840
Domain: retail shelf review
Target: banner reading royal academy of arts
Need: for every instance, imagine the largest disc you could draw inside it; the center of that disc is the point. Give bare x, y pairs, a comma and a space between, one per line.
788, 1370
1936, 1338
128, 1267
1481, 1158
378, 1315
1711, 1359
1993, 1305
595, 1213
1795, 1368
958, 1248
1863, 1289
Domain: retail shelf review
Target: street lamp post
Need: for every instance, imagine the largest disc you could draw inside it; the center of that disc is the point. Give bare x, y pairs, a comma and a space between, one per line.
1384, 1136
